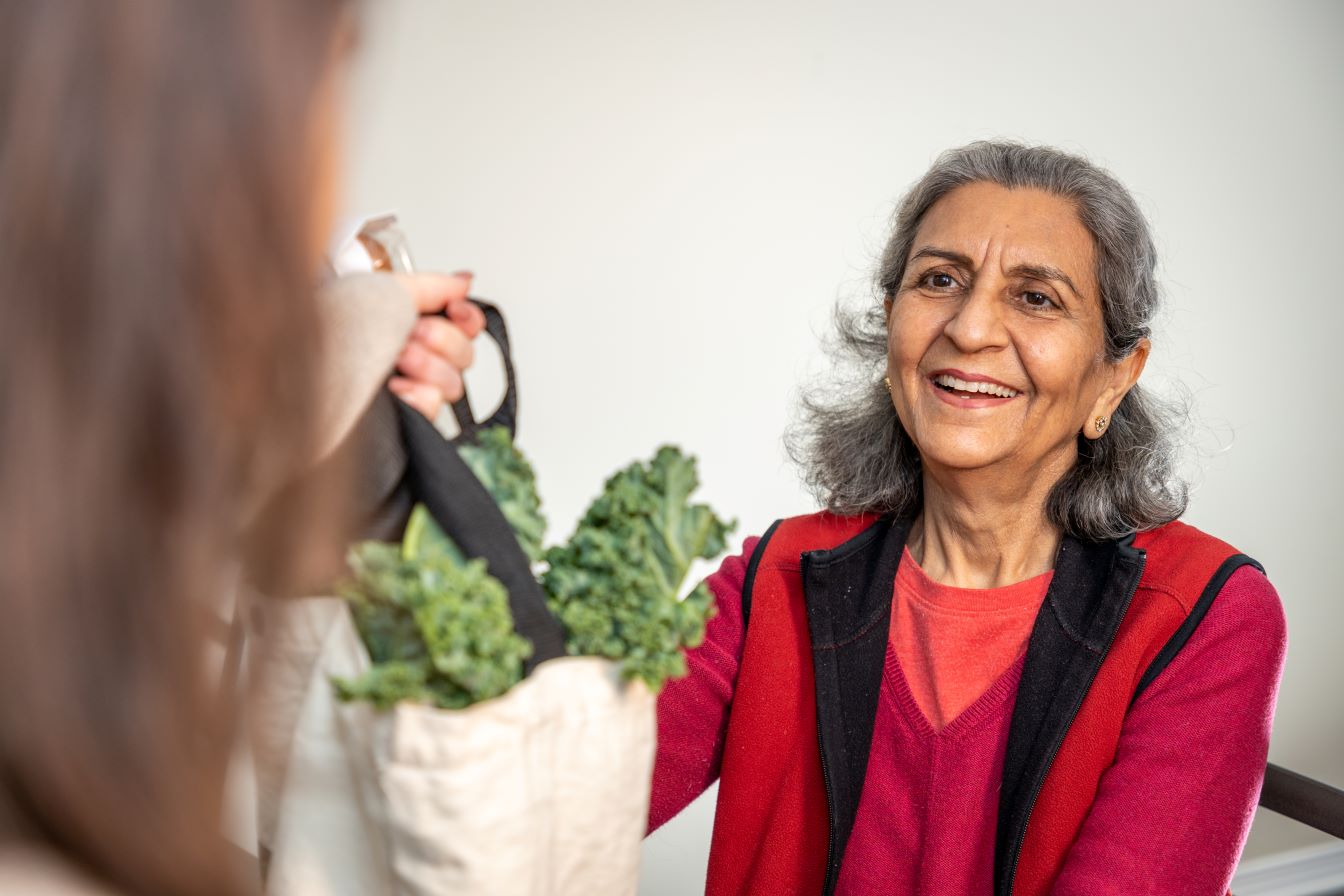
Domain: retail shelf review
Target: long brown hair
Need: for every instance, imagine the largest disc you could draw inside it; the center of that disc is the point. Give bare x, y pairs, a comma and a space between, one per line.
157, 349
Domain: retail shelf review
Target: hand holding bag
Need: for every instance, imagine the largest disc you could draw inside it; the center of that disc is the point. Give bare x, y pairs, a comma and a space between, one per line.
543, 790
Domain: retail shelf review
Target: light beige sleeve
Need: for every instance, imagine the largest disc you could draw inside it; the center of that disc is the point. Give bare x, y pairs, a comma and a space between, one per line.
366, 319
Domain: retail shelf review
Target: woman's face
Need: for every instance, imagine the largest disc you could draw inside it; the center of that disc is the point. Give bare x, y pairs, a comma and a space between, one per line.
995, 336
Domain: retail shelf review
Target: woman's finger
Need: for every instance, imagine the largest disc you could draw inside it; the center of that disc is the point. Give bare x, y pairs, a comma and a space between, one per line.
446, 294
434, 292
446, 340
423, 366
468, 318
426, 399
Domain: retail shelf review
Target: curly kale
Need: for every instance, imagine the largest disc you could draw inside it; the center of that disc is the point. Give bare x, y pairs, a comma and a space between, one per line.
438, 629
614, 585
508, 477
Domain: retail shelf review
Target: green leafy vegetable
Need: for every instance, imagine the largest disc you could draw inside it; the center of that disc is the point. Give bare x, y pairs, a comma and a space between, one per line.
438, 627
615, 585
509, 478
424, 538
438, 630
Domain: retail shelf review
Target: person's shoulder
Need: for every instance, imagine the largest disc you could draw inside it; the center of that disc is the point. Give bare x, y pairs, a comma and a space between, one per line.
1238, 599
1233, 633
1238, 646
786, 539
1247, 601
1179, 537
1192, 565
820, 530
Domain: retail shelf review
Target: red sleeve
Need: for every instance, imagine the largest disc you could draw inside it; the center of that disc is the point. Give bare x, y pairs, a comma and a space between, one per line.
1173, 812
693, 711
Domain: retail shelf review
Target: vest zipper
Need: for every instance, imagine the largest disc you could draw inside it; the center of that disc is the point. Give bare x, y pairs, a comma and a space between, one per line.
826, 886
1054, 750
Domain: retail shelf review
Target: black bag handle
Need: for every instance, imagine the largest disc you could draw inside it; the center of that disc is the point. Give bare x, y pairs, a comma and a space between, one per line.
439, 478
507, 412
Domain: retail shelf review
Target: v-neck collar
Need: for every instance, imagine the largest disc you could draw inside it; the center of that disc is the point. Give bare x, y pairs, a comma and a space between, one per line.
985, 706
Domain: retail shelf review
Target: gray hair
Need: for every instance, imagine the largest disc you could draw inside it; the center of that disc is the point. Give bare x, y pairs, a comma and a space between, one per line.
857, 457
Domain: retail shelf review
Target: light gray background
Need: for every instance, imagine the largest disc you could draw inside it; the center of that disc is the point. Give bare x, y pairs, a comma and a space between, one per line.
668, 198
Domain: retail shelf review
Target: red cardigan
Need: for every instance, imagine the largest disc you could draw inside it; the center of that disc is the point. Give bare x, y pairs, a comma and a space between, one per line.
1092, 788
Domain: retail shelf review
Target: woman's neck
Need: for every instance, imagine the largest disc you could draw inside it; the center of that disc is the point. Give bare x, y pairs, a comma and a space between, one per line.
973, 536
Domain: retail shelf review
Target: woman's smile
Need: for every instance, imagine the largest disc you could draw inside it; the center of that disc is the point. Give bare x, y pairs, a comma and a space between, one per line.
970, 390
995, 333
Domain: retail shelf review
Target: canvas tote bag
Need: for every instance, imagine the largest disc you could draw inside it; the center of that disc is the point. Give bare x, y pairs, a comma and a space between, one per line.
543, 790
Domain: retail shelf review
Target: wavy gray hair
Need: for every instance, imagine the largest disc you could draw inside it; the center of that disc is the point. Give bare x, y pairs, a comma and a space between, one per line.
857, 457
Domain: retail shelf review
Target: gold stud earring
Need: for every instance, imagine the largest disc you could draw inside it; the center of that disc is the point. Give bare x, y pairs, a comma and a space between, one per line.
887, 380
1100, 423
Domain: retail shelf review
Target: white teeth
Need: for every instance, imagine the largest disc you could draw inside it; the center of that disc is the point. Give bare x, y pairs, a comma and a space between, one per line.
964, 386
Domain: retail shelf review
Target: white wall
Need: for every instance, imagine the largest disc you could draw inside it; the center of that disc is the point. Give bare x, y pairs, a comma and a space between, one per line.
668, 197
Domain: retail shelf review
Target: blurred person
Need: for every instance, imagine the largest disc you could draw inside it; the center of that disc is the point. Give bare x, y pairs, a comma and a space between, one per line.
167, 180
997, 663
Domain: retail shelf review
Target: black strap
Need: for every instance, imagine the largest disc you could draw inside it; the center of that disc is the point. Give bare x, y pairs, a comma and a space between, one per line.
507, 412
466, 512
749, 583
441, 480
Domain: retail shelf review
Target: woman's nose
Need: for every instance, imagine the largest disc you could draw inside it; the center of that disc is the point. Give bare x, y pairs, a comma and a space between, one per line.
977, 322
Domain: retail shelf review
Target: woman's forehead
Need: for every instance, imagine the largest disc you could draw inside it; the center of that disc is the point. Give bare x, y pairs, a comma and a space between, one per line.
1021, 227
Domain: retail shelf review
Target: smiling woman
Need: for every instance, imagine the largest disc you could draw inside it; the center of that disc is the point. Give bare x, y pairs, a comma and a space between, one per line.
997, 662
1079, 260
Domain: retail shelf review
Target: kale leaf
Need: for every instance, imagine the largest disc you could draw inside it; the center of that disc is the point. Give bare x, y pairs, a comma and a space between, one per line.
508, 477
438, 627
614, 586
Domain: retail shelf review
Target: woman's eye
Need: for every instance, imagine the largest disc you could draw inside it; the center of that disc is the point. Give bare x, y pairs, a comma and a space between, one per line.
1038, 299
939, 280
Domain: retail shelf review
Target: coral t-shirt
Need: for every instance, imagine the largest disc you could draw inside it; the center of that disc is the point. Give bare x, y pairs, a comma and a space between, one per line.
953, 643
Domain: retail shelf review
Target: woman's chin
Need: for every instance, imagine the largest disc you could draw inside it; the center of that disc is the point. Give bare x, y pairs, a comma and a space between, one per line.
962, 456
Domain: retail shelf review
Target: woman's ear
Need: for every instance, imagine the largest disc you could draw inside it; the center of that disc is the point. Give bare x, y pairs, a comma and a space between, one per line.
1123, 375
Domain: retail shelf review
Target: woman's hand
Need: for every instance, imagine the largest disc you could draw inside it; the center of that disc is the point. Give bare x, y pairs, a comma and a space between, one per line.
440, 348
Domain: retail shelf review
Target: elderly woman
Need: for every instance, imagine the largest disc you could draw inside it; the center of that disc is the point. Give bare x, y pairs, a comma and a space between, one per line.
996, 663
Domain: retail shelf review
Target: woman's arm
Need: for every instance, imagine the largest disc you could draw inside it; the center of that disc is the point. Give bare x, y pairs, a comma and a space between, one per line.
693, 711
1173, 812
